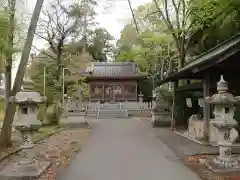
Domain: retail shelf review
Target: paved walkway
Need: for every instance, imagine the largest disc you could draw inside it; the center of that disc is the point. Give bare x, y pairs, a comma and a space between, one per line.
125, 149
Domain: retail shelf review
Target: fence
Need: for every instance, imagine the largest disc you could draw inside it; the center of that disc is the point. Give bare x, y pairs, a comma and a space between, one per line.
134, 108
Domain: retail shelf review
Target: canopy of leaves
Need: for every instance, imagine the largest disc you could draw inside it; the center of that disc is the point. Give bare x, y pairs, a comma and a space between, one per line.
98, 46
152, 46
4, 25
216, 21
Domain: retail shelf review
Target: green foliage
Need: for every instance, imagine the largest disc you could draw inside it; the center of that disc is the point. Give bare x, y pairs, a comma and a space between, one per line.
99, 45
42, 113
153, 49
36, 72
45, 132
4, 25
164, 92
66, 42
215, 20
54, 112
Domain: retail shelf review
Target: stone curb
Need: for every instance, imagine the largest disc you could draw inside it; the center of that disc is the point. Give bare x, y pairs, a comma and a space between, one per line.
196, 141
10, 154
19, 148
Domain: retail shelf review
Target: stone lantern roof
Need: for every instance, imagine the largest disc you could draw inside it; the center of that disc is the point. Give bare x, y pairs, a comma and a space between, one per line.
223, 97
27, 95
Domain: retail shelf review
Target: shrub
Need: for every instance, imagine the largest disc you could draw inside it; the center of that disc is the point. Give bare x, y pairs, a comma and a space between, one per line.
54, 112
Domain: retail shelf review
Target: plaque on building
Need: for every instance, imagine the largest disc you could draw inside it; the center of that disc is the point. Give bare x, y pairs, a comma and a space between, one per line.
189, 102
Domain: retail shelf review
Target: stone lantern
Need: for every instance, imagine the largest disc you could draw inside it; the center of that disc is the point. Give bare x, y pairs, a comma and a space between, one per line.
140, 97
26, 123
224, 122
154, 98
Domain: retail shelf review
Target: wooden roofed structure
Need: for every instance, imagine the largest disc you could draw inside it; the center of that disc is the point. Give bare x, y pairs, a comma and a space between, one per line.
220, 60
112, 81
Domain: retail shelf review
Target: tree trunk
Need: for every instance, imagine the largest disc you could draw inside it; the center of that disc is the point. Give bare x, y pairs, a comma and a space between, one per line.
8, 83
8, 69
5, 139
182, 58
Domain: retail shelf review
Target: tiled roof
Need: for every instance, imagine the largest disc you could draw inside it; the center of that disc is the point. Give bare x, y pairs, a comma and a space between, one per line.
112, 70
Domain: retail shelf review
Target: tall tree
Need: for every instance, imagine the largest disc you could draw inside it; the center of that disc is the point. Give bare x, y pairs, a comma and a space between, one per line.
215, 20
5, 139
9, 54
98, 46
176, 16
4, 25
62, 24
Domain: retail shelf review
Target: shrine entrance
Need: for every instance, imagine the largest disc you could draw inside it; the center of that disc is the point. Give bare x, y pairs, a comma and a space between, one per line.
113, 92
111, 82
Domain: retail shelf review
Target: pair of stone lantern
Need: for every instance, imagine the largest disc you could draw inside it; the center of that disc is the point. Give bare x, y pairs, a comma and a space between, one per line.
27, 123
224, 122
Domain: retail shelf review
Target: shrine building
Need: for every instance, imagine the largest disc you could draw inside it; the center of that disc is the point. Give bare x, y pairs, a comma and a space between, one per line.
113, 81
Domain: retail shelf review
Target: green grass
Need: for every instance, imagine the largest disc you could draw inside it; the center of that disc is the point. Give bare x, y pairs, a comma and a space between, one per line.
44, 132
1, 115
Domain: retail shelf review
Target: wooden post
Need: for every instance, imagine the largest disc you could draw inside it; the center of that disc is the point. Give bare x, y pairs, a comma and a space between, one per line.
89, 91
206, 107
173, 121
103, 92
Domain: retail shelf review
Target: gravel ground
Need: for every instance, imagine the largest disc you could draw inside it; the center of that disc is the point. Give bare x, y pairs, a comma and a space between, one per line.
59, 148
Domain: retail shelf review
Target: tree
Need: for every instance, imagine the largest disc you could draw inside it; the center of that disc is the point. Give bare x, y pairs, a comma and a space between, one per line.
9, 54
4, 25
152, 47
12, 43
215, 20
61, 24
5, 139
98, 45
176, 16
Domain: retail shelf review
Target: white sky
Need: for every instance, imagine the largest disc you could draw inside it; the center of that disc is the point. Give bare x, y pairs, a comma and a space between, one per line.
113, 20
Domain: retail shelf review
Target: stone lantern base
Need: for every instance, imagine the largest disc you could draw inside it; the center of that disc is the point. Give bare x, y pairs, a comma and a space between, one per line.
27, 167
24, 170
216, 165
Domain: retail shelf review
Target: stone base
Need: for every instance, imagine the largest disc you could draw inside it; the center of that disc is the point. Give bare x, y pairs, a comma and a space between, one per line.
15, 172
161, 119
213, 165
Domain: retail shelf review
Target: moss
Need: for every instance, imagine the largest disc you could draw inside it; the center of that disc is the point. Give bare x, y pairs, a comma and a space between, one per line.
44, 132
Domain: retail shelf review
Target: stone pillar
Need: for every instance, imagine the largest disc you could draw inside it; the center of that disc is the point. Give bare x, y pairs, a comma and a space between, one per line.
140, 98
154, 98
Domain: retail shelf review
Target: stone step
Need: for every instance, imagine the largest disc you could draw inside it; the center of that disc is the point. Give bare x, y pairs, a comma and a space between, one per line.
110, 106
76, 113
112, 114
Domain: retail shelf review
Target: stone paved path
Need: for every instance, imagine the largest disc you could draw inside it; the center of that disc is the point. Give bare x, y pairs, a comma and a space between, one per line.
125, 149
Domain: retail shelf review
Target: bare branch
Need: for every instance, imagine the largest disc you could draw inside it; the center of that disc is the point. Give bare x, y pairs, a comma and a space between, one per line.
45, 52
